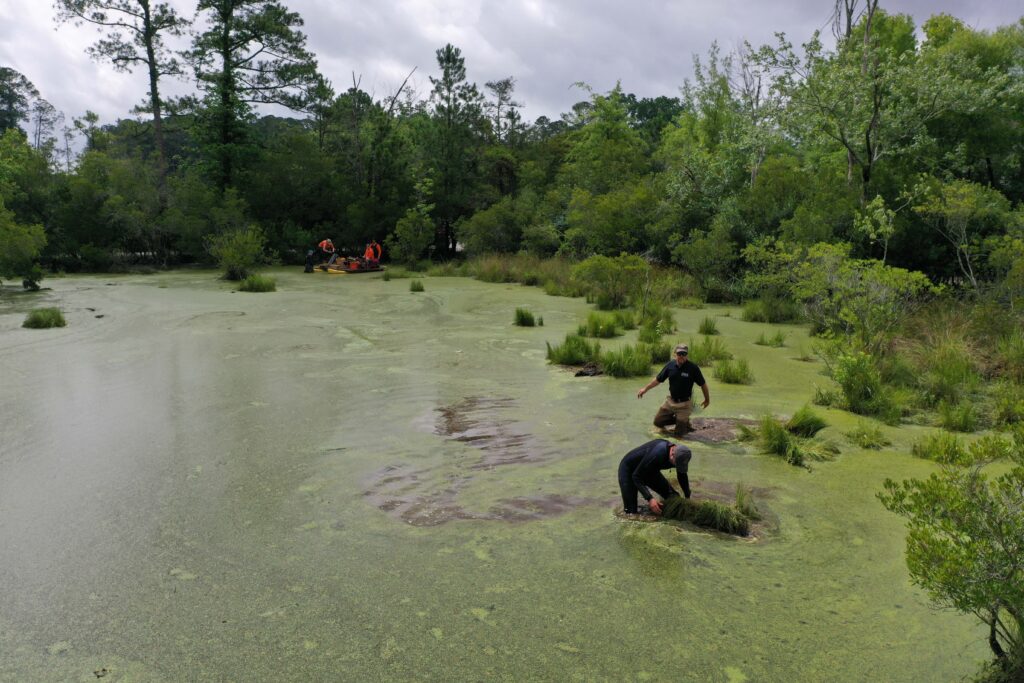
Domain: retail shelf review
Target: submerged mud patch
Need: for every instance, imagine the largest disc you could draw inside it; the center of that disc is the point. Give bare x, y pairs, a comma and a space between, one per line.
428, 496
712, 430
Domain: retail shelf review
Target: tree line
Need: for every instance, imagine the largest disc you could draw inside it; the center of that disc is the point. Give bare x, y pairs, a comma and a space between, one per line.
902, 142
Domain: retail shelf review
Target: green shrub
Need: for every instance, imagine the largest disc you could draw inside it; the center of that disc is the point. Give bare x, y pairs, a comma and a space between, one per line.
628, 361
942, 447
829, 398
1010, 354
416, 286
397, 273
524, 318
625, 320
777, 340
707, 513
691, 302
862, 387
806, 422
958, 416
867, 436
238, 251
600, 325
708, 350
658, 316
649, 334
258, 283
448, 269
948, 372
734, 373
659, 352
386, 277
1008, 404
575, 350
42, 318
708, 326
771, 310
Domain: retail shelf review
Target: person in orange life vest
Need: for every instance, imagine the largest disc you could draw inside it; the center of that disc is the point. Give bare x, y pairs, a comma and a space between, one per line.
377, 250
328, 251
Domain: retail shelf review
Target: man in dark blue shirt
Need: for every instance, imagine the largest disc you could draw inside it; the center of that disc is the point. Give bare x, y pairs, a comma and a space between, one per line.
681, 374
640, 472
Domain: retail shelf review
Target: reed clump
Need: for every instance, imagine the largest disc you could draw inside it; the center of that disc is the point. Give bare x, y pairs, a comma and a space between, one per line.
708, 350
599, 325
867, 436
805, 422
941, 447
707, 513
708, 326
628, 361
777, 340
524, 318
258, 283
416, 286
737, 372
43, 318
575, 350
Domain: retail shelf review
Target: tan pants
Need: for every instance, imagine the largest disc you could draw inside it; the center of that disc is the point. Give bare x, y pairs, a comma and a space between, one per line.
677, 413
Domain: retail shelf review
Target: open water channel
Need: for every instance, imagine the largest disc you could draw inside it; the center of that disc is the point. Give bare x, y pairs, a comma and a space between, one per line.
344, 480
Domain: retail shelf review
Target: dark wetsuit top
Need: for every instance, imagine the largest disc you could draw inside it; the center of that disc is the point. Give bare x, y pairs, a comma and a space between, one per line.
640, 471
681, 379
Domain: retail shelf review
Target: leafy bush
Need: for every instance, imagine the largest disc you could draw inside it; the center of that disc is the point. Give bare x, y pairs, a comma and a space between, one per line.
628, 361
708, 326
659, 352
942, 447
707, 513
1008, 408
948, 371
867, 436
416, 286
386, 277
778, 340
42, 318
734, 373
625, 320
771, 310
708, 350
649, 334
575, 350
1010, 353
238, 251
958, 416
806, 422
613, 282
524, 318
862, 387
600, 325
258, 283
658, 316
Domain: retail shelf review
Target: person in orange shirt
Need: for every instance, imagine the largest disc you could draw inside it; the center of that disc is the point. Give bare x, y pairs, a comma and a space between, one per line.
377, 251
369, 253
328, 251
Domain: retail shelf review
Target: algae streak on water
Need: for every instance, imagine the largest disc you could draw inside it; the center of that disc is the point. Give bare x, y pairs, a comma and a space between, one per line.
342, 480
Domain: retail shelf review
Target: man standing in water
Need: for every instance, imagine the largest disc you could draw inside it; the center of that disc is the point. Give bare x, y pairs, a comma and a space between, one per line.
681, 374
640, 472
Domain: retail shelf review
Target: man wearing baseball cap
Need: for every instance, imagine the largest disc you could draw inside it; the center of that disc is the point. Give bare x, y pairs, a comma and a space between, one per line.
640, 472
682, 374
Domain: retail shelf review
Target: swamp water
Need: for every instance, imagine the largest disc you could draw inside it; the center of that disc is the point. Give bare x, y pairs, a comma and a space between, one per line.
344, 480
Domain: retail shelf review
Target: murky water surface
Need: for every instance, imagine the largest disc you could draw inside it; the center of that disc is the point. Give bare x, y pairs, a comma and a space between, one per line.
344, 480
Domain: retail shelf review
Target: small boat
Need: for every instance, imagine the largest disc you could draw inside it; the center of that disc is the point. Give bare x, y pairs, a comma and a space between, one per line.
349, 266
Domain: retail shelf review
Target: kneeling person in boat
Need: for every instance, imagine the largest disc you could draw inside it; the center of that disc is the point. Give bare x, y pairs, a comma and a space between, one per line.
640, 473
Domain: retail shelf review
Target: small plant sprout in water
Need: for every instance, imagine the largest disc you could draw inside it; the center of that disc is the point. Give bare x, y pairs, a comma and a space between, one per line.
524, 318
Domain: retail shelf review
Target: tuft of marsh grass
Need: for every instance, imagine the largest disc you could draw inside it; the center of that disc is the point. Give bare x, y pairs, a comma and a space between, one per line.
258, 283
805, 422
43, 318
523, 318
867, 436
708, 350
734, 372
625, 319
745, 503
540, 321
386, 277
600, 325
416, 286
658, 316
397, 273
958, 416
775, 439
575, 350
777, 340
708, 326
1010, 355
707, 513
942, 447
1008, 400
771, 310
628, 361
830, 398
804, 355
649, 334
659, 351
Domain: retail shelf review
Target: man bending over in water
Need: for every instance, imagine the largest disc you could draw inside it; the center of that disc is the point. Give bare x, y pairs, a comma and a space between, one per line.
640, 472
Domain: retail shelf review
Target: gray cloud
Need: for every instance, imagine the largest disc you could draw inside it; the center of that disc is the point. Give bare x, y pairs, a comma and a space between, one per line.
547, 46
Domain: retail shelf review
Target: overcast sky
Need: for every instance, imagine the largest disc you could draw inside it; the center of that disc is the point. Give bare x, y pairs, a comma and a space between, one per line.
547, 45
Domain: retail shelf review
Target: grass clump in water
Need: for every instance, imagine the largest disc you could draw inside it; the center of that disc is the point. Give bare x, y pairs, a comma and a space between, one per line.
774, 439
708, 326
941, 447
629, 361
777, 341
734, 373
649, 334
1008, 408
771, 310
745, 503
43, 318
625, 320
416, 286
258, 283
958, 416
659, 351
707, 513
600, 325
708, 350
805, 422
867, 436
575, 350
524, 318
